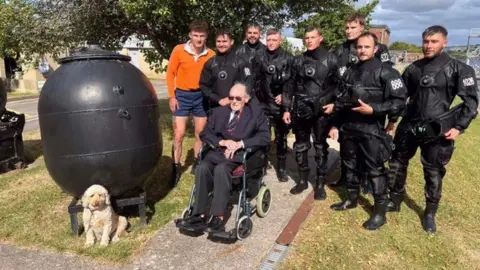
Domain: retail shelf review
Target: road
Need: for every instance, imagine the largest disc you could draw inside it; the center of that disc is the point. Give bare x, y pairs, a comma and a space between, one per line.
29, 106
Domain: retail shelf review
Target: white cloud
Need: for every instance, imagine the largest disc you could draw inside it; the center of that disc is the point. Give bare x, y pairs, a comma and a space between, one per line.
407, 19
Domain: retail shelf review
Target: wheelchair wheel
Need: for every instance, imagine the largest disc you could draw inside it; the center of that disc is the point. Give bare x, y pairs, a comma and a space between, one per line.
244, 227
264, 201
187, 212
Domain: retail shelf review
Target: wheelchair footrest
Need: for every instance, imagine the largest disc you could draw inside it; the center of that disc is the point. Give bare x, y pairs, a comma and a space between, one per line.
195, 229
231, 235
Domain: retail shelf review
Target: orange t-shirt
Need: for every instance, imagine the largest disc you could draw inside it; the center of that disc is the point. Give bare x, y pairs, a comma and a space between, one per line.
184, 68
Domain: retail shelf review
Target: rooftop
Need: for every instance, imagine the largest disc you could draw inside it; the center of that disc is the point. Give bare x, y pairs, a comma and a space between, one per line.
380, 26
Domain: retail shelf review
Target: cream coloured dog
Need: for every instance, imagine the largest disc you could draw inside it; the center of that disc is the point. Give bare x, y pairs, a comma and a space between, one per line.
99, 219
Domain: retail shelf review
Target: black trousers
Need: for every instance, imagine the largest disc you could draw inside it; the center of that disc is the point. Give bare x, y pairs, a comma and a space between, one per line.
364, 156
213, 173
281, 132
303, 129
435, 155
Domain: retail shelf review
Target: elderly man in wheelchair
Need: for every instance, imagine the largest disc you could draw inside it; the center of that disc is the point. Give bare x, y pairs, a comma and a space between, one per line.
233, 134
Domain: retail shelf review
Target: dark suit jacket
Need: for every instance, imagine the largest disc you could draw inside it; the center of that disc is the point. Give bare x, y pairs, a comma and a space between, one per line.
252, 127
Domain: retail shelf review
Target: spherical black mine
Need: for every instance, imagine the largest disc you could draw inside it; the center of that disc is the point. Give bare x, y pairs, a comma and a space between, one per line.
99, 123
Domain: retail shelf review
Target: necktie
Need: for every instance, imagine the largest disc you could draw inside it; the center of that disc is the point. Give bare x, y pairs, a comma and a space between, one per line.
232, 124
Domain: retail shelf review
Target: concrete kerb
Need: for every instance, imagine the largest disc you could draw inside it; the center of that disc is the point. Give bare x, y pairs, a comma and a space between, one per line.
170, 249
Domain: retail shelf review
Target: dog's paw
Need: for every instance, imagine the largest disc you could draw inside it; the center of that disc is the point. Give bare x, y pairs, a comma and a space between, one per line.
88, 244
115, 239
104, 243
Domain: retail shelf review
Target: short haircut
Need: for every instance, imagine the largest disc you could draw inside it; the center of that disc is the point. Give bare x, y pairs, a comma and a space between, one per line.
273, 31
254, 25
312, 28
435, 29
224, 32
356, 17
371, 35
198, 26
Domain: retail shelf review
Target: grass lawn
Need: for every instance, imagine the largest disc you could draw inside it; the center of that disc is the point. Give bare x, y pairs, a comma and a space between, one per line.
337, 240
22, 94
24, 196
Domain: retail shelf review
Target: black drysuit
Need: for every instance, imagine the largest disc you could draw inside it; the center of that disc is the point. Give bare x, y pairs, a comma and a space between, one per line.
220, 73
366, 146
273, 74
432, 86
315, 82
347, 57
248, 52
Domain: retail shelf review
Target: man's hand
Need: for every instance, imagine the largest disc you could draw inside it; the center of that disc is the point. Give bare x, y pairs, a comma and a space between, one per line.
286, 118
229, 144
224, 101
363, 108
229, 154
278, 99
389, 128
333, 133
328, 108
452, 134
173, 103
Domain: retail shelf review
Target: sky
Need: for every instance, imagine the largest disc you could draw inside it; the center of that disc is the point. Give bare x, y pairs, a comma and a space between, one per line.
408, 18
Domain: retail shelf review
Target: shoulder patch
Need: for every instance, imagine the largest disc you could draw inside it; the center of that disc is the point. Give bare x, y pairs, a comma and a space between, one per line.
384, 57
468, 81
246, 71
396, 84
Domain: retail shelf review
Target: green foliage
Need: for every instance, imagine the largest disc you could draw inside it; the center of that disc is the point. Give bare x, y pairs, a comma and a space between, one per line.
332, 22
16, 20
59, 25
402, 46
286, 45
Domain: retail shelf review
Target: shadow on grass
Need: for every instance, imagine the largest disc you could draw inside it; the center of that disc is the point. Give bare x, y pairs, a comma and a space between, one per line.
414, 206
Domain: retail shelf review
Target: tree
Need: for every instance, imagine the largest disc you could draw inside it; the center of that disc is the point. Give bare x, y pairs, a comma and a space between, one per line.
61, 25
404, 46
15, 26
287, 46
332, 22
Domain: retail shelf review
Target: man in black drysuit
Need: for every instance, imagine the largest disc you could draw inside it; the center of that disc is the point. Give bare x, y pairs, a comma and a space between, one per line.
272, 76
347, 56
315, 74
372, 90
222, 71
249, 50
432, 82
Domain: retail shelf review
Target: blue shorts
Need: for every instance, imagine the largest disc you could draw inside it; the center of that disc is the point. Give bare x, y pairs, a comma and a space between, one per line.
190, 102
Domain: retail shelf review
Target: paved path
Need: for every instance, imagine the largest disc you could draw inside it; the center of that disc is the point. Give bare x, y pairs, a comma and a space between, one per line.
171, 250
29, 106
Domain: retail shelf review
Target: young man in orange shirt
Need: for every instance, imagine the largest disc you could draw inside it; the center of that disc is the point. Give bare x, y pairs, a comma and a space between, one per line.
183, 75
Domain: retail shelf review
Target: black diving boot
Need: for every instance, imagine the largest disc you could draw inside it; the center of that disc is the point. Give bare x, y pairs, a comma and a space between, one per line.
428, 220
350, 203
303, 184
378, 219
281, 171
395, 201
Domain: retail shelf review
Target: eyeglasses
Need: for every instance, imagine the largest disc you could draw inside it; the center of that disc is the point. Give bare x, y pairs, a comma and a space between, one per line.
237, 98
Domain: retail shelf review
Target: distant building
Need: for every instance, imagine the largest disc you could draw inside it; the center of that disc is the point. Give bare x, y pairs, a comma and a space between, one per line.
382, 32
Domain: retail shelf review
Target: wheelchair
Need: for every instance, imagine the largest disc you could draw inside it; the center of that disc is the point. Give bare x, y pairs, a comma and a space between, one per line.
247, 185
11, 141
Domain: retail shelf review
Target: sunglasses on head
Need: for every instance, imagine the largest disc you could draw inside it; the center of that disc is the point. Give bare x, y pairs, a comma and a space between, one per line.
237, 98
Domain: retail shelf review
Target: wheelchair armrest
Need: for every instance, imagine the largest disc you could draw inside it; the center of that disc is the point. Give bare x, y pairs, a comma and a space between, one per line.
251, 151
204, 149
